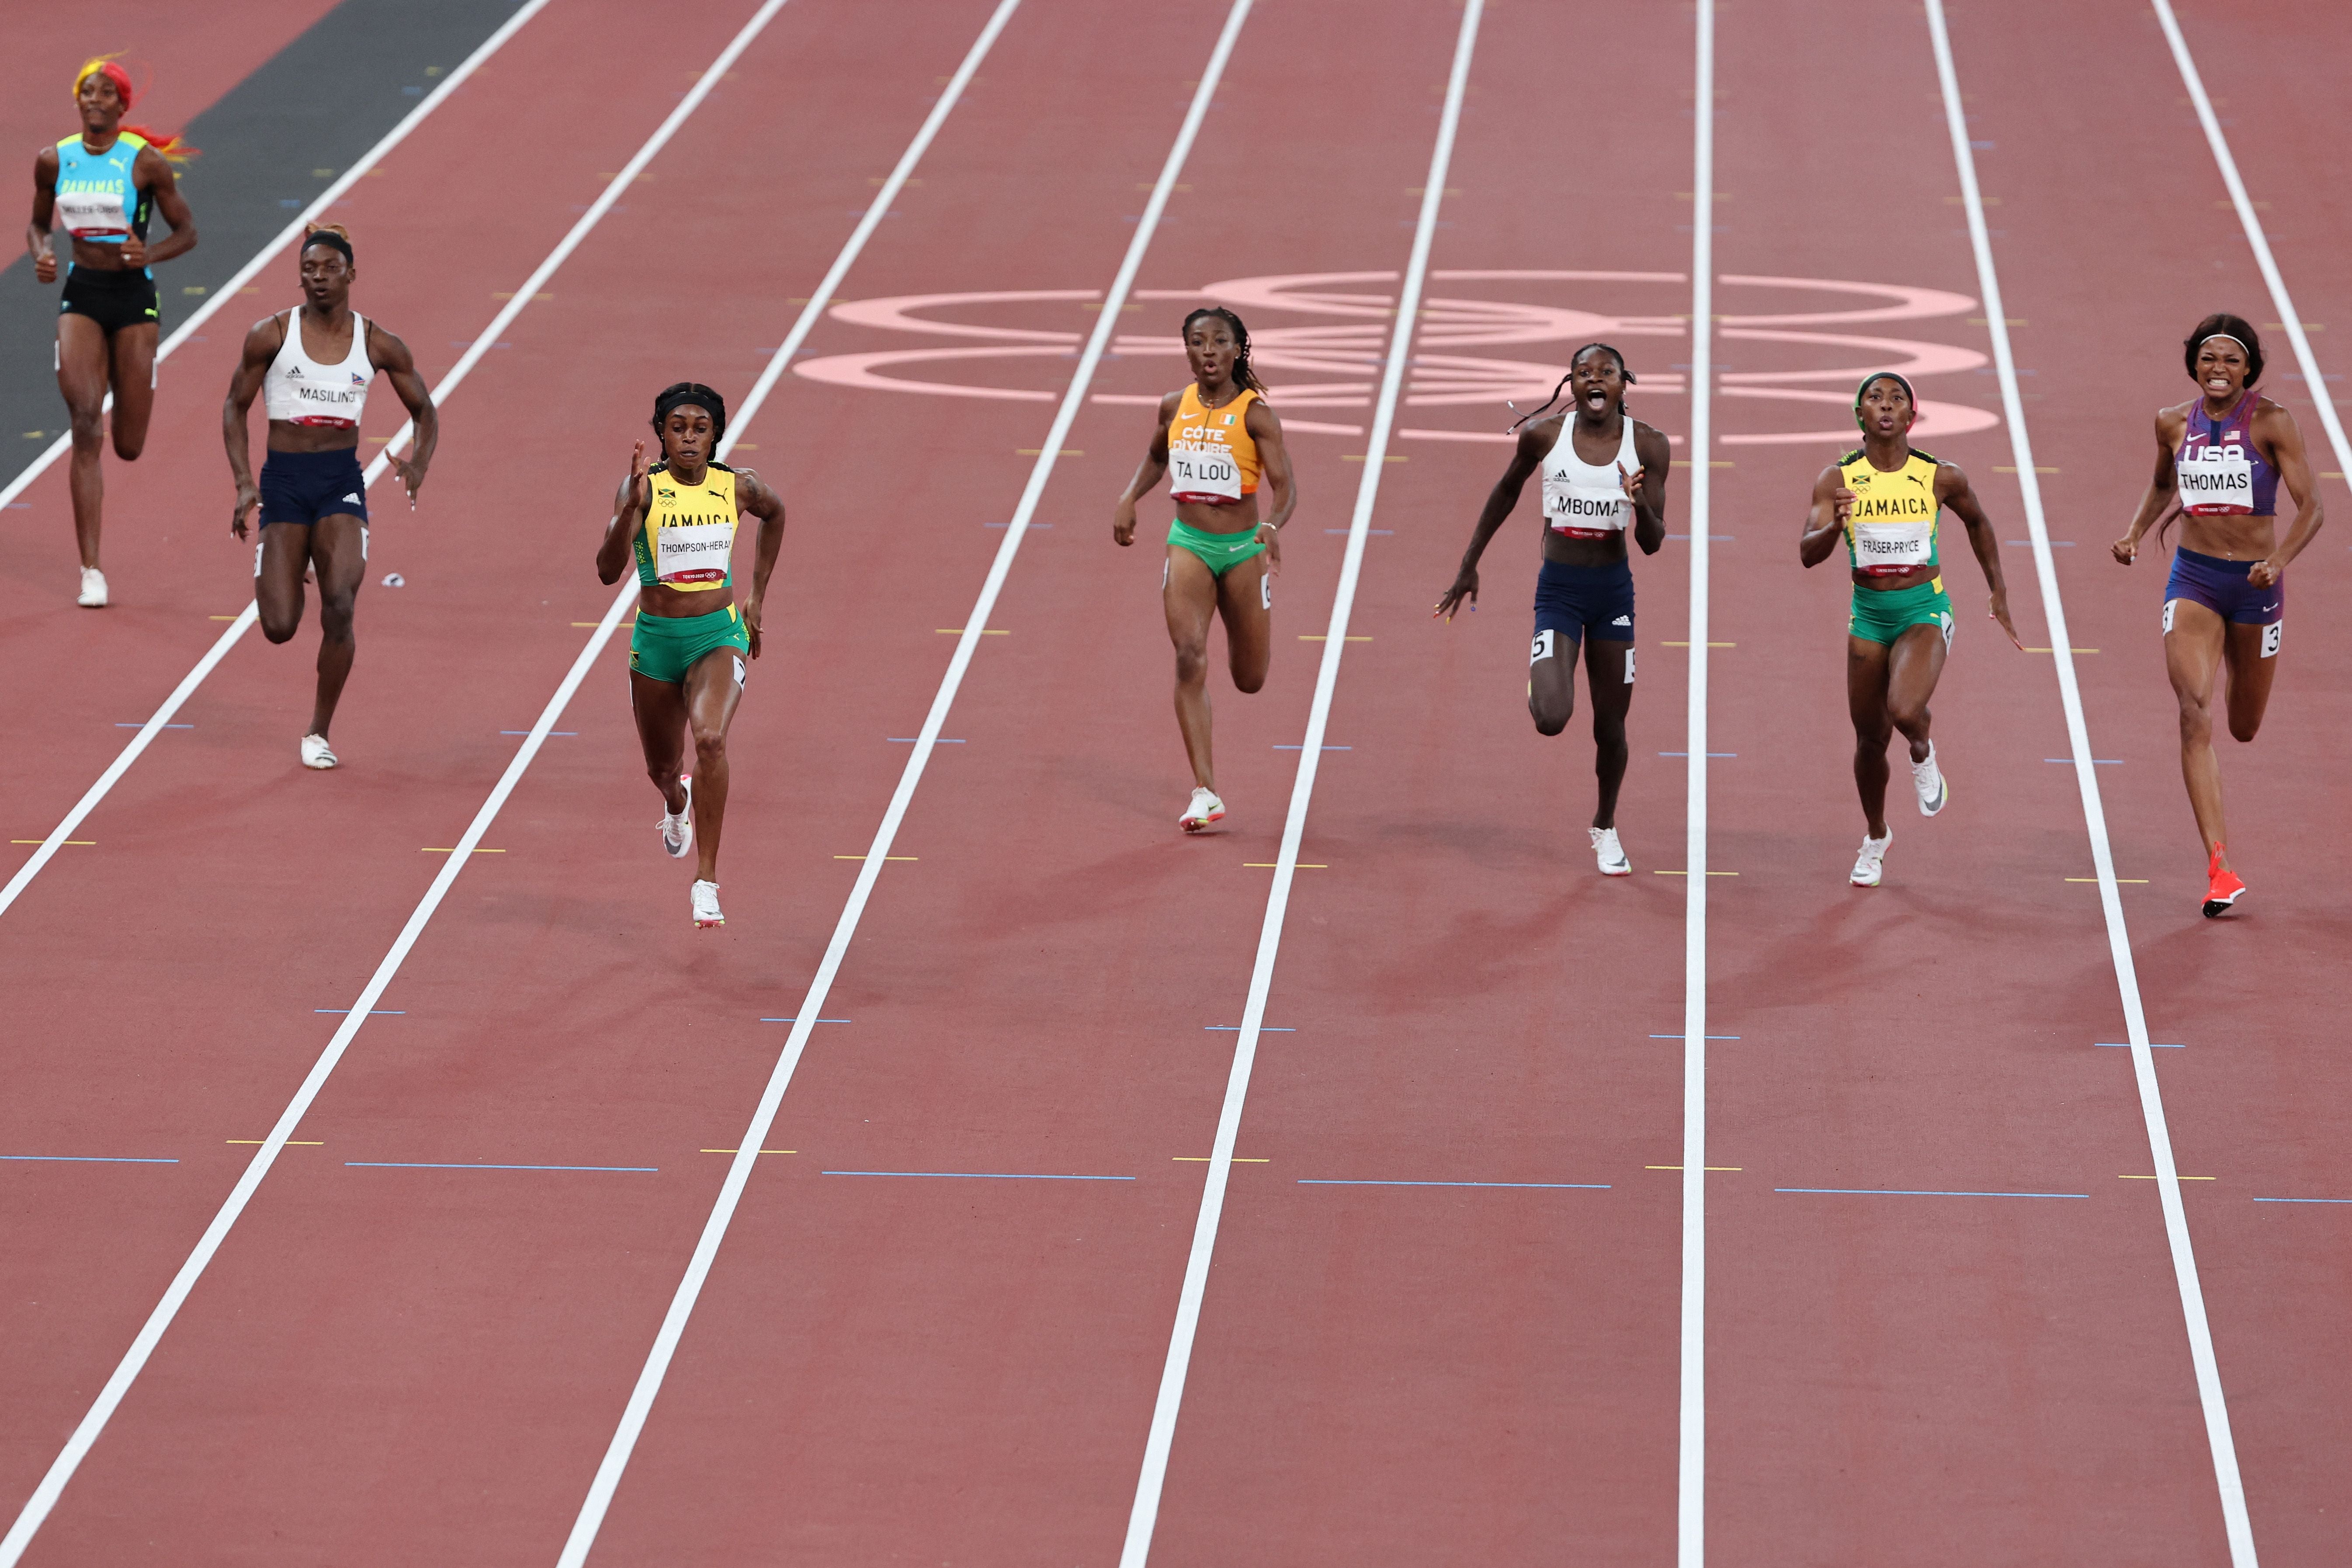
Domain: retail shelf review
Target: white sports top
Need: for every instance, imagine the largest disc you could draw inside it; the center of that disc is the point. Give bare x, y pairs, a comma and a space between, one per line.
1583, 501
300, 390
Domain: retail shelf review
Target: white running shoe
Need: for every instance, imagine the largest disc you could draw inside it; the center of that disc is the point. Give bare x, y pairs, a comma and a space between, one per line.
93, 589
678, 826
1610, 853
1928, 779
1205, 809
1872, 861
706, 906
316, 752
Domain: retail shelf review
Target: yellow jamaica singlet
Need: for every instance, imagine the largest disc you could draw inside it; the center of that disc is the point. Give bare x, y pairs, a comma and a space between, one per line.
1892, 528
688, 539
1211, 457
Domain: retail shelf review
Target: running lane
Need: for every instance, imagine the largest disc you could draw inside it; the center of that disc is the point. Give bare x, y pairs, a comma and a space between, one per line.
429, 1327
2257, 1086
172, 983
1943, 1322
1440, 1322
948, 1365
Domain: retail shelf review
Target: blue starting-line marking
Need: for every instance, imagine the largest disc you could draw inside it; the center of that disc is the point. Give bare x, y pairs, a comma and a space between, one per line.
2101, 761
2257, 1199
1333, 1181
1922, 1193
910, 739
88, 1159
1236, 1028
1702, 1037
795, 1020
463, 1165
2125, 1045
142, 724
982, 1175
372, 1011
551, 734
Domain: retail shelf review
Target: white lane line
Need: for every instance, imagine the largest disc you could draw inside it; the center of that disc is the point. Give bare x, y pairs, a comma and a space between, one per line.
1690, 1479
2288, 318
293, 231
615, 1462
1152, 1477
613, 192
2159, 1138
44, 1497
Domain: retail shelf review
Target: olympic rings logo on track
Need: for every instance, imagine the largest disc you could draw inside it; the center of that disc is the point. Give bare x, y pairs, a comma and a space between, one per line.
1331, 360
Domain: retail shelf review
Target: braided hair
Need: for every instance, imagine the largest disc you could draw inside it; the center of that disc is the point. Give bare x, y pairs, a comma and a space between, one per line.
1572, 359
1245, 373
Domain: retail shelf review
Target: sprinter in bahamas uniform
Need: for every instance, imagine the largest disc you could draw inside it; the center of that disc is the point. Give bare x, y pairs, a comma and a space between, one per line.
101, 187
1604, 481
676, 521
1884, 502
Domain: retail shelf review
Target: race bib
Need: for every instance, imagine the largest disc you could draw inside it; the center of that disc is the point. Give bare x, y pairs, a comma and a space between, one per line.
1582, 508
1891, 547
2216, 479
691, 553
93, 215
1203, 473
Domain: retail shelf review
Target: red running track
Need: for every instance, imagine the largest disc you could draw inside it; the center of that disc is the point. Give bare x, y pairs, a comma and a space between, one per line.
410, 1364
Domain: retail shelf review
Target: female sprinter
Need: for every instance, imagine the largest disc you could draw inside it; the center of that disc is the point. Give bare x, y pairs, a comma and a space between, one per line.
686, 657
1218, 437
1603, 471
2221, 457
312, 365
102, 186
1885, 500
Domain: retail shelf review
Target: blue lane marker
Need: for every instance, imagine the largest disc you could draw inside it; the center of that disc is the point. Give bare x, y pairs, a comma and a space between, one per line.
88, 1159
455, 1165
551, 733
910, 739
372, 1011
980, 1175
1580, 1186
1236, 1028
1928, 1192
2102, 761
1708, 1036
1686, 753
795, 1019
2257, 1199
2125, 1045
129, 724
1327, 748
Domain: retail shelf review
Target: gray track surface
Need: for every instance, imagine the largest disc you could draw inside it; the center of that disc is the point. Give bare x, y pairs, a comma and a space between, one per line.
269, 146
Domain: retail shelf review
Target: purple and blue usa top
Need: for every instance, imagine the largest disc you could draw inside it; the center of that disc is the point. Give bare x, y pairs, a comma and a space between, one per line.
2220, 471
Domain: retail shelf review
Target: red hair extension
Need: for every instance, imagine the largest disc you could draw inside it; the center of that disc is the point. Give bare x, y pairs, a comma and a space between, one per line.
165, 144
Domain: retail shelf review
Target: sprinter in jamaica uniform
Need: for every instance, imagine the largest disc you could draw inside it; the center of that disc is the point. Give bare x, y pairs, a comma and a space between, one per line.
686, 654
1885, 500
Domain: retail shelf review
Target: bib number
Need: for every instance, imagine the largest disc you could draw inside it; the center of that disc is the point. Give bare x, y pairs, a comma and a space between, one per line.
2271, 636
2215, 480
1203, 473
691, 553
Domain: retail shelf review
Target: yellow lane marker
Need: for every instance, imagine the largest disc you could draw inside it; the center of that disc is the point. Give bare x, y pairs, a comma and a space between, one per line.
290, 1142
1269, 866
1318, 636
1702, 1167
886, 857
1723, 645
79, 843
739, 1151
985, 631
220, 617
1040, 451
2175, 1178
430, 850
2136, 881
1687, 873
1240, 1160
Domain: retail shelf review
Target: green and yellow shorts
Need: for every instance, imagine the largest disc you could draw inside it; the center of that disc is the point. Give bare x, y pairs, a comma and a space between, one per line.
1883, 615
664, 647
1221, 552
